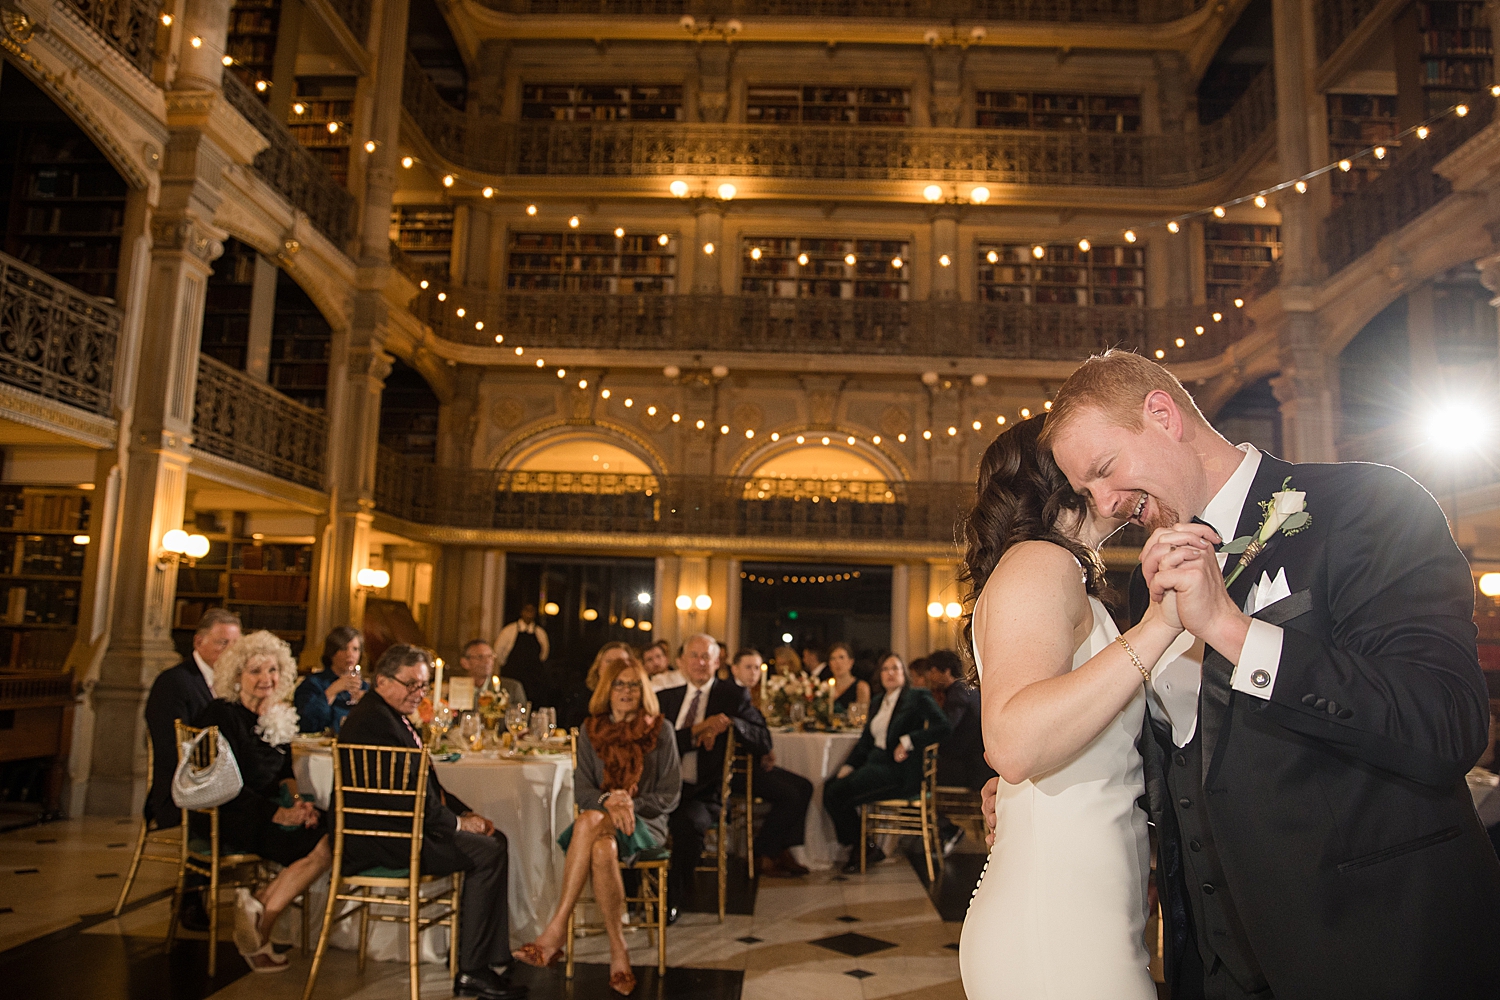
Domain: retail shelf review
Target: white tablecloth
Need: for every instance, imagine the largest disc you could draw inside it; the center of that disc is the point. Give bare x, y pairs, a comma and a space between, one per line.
529, 799
815, 756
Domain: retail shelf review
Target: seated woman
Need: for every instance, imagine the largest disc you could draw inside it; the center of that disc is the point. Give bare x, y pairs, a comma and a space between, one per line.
627, 783
886, 763
251, 681
324, 699
847, 689
786, 661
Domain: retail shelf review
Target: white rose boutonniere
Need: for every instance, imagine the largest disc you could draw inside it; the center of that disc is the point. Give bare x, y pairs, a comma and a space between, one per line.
1286, 512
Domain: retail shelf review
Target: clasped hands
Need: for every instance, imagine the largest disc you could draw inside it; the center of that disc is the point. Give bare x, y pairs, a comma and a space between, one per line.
302, 813
472, 822
620, 805
707, 731
1187, 587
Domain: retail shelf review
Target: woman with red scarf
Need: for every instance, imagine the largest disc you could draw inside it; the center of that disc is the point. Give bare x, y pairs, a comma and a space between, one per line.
627, 783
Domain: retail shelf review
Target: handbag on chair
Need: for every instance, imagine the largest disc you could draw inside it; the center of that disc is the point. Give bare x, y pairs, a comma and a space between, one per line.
208, 786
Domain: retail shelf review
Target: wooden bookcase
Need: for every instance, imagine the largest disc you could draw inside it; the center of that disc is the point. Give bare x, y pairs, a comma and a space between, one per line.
790, 267
601, 102
1355, 123
425, 234
1064, 275
226, 311
251, 41
409, 413
41, 562
324, 101
1457, 51
1053, 112
828, 105
1236, 255
597, 263
301, 342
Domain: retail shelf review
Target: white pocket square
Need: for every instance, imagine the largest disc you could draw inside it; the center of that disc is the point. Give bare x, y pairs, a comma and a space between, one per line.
1268, 592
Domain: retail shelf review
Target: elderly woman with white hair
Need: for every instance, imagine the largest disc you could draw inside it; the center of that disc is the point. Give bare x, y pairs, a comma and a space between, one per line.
252, 680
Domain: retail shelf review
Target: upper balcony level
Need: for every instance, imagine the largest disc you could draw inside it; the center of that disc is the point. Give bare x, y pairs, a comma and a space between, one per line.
1058, 11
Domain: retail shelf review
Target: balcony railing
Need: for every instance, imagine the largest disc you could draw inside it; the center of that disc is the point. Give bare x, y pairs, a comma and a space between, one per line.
761, 324
246, 421
128, 25
294, 172
1401, 193
732, 506
1337, 20
1066, 11
56, 341
840, 152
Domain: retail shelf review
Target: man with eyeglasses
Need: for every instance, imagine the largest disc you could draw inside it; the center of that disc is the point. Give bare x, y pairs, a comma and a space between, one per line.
479, 661
454, 837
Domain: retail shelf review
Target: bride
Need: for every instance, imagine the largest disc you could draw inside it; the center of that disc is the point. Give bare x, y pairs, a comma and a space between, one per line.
1060, 910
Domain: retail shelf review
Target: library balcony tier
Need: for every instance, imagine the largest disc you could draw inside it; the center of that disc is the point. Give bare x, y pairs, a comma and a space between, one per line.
244, 420
56, 341
1066, 11
647, 505
764, 324
129, 26
852, 152
294, 172
1338, 19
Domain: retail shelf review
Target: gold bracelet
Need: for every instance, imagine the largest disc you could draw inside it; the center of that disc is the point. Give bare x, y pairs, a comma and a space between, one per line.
1145, 674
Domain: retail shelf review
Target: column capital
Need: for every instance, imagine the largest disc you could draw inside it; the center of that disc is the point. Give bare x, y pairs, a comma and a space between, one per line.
186, 235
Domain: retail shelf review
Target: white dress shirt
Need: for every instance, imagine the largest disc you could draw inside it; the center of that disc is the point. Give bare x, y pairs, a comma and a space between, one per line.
206, 670
690, 759
1179, 673
880, 725
667, 679
506, 641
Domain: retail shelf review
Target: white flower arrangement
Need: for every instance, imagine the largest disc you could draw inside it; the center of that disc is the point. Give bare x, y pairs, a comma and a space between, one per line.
278, 724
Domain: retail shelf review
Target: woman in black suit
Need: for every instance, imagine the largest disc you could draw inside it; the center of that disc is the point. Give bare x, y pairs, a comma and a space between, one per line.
886, 763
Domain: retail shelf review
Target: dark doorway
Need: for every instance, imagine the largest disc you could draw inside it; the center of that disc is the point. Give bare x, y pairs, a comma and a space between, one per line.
818, 603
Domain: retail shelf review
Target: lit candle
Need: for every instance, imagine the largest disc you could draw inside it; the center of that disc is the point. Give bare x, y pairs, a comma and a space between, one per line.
437, 683
765, 669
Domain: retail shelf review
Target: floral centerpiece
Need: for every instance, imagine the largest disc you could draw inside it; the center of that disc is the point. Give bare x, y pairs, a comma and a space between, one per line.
785, 690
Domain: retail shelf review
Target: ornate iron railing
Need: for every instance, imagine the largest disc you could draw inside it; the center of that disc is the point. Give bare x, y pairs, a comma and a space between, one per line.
1066, 11
294, 172
128, 25
939, 328
246, 421
401, 262
1337, 20
726, 506
56, 341
356, 17
840, 152
1402, 192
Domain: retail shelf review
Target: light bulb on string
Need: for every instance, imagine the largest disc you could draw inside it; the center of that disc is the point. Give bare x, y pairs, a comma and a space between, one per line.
755, 253
849, 259
1173, 227
663, 240
487, 191
1083, 245
574, 222
530, 209
370, 146
448, 180
1180, 342
520, 351
1239, 303
945, 260
1219, 211
1423, 131
1301, 187
992, 257
1038, 251
333, 128
1379, 152
1130, 236
1346, 165
604, 394
1260, 201
227, 61
406, 162
261, 85
298, 108
1461, 110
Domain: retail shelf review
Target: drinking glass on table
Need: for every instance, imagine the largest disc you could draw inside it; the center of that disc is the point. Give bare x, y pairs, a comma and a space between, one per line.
470, 726
518, 720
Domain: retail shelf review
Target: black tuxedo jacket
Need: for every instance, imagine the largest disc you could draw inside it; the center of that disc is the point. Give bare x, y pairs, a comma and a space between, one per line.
376, 723
1348, 837
178, 692
916, 715
961, 762
750, 731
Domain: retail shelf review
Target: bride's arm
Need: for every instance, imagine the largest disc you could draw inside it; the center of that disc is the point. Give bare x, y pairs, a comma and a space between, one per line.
1038, 713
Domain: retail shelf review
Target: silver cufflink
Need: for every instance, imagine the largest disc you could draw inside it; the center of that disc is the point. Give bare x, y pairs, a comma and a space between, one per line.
1260, 679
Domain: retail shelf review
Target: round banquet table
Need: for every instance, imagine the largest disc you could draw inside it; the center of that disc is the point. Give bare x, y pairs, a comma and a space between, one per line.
817, 757
529, 799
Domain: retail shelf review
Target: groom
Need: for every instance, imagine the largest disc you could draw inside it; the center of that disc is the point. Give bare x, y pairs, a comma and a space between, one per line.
1305, 755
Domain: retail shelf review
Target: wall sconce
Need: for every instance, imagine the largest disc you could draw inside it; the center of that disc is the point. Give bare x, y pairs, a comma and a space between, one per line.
691, 604
551, 609
372, 579
178, 543
951, 611
1489, 584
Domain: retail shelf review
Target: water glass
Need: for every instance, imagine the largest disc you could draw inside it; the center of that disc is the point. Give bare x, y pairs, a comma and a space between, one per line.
798, 712
470, 725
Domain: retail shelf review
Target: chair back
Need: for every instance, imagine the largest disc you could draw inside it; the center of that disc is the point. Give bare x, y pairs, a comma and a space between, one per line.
573, 756
202, 755
929, 771
727, 778
380, 783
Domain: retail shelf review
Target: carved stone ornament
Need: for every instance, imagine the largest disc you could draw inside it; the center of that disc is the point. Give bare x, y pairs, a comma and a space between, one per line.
894, 421
821, 406
187, 236
580, 407
747, 416
507, 412
17, 26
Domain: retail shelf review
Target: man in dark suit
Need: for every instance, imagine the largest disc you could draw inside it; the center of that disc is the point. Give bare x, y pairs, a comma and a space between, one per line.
961, 763
454, 837
1305, 759
702, 711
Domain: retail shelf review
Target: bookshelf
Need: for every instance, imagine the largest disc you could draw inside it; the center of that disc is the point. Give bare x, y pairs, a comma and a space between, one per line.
601, 102
1065, 275
301, 341
425, 234
226, 310
41, 562
801, 268
1053, 112
409, 413
1457, 53
1356, 122
598, 263
828, 105
251, 42
1236, 255
322, 101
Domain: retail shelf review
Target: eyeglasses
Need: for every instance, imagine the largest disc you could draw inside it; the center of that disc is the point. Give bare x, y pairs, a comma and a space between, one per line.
415, 687
626, 685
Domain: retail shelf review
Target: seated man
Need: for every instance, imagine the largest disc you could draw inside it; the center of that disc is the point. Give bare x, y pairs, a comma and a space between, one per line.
788, 794
455, 838
702, 711
658, 660
962, 763
478, 660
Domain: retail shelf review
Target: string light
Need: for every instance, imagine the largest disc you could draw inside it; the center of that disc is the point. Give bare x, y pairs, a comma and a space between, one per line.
1422, 131
333, 128
663, 240
196, 42
629, 403
1218, 211
945, 260
1379, 152
1346, 165
406, 162
676, 418
573, 222
530, 209
1130, 236
901, 438
298, 108
1301, 187
1173, 227
229, 61
488, 191
166, 20
448, 180
723, 428
1038, 251
992, 257
605, 394
708, 249
927, 435
849, 259
369, 145
1260, 201
755, 253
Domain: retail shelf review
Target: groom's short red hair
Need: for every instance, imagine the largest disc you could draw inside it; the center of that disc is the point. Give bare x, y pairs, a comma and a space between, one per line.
1116, 383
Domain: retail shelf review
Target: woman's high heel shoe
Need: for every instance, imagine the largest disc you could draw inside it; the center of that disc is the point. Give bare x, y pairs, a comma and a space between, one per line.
622, 983
532, 954
273, 962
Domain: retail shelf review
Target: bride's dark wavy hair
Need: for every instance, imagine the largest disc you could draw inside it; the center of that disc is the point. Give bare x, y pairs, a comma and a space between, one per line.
1020, 497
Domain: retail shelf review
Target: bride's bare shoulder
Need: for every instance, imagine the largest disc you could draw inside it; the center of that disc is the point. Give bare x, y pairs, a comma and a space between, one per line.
1037, 570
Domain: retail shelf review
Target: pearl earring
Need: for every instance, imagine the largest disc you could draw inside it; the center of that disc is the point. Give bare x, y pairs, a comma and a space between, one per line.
236, 687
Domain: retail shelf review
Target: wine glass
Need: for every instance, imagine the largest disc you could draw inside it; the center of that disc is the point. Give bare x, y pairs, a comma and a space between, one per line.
470, 726
518, 720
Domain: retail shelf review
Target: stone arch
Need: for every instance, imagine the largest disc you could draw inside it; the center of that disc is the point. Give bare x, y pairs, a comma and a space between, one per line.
526, 446
862, 454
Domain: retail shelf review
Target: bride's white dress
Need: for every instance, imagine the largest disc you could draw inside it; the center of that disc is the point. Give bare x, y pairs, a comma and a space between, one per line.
1060, 911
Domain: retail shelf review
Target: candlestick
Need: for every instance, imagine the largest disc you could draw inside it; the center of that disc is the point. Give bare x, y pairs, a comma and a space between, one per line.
437, 683
765, 670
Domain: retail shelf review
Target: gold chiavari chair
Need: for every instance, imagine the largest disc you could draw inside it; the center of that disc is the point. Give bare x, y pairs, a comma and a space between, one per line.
744, 765
907, 816
389, 782
721, 842
652, 896
151, 834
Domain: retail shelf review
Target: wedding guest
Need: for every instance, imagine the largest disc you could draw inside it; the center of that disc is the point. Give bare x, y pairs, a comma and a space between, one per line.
785, 661
813, 663
627, 782
521, 650
658, 660
886, 763
324, 699
454, 837
847, 689
609, 653
961, 763
917, 670
251, 681
478, 660
788, 794
702, 711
